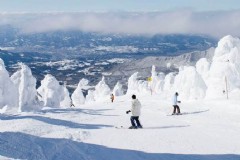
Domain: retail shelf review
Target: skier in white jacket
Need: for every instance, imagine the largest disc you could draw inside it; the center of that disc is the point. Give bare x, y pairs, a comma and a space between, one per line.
136, 112
175, 104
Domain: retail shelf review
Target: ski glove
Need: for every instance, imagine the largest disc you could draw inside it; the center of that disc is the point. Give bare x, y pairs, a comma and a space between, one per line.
128, 111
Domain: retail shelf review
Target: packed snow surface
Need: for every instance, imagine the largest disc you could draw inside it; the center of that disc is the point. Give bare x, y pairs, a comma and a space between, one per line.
206, 130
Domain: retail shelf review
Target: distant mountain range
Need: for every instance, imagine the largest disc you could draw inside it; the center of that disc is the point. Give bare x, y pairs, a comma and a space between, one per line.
73, 55
76, 43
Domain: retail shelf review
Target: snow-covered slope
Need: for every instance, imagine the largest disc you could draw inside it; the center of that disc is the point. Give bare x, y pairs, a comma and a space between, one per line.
207, 130
165, 64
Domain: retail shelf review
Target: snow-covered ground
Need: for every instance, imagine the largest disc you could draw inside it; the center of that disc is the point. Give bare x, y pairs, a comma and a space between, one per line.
208, 129
39, 123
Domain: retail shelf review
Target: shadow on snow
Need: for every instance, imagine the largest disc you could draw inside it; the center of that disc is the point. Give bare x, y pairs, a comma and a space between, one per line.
52, 121
24, 146
196, 112
167, 127
97, 112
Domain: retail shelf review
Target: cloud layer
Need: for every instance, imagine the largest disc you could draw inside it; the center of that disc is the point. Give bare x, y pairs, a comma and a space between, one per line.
217, 24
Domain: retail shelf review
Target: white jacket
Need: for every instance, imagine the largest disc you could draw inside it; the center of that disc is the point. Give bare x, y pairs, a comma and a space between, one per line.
136, 107
174, 100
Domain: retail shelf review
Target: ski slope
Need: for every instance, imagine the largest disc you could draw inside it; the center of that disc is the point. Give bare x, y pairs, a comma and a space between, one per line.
207, 129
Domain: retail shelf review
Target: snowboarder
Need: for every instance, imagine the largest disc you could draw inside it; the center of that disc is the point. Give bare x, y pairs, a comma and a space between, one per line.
136, 111
175, 104
112, 98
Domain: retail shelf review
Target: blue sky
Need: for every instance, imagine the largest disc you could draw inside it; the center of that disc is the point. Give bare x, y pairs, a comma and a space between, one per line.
115, 5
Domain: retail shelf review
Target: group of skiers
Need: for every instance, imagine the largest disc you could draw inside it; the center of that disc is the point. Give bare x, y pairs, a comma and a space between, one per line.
136, 110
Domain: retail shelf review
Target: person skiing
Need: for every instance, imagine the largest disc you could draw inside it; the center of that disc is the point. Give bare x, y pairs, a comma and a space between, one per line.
71, 103
175, 104
136, 111
112, 97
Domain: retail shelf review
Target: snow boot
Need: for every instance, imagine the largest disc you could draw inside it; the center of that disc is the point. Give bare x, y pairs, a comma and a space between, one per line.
132, 127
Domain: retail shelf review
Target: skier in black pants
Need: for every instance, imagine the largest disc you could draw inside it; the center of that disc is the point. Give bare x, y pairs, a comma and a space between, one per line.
136, 111
175, 104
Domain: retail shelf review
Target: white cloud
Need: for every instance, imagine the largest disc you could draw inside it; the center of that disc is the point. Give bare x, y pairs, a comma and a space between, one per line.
218, 23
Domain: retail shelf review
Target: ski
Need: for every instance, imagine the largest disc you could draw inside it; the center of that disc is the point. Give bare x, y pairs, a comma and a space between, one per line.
175, 114
122, 127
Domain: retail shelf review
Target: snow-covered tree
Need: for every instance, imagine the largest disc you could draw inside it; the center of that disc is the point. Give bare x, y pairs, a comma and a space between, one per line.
118, 90
90, 96
189, 84
78, 98
133, 84
137, 86
102, 91
26, 84
66, 102
154, 80
51, 91
202, 67
8, 91
169, 81
160, 83
225, 67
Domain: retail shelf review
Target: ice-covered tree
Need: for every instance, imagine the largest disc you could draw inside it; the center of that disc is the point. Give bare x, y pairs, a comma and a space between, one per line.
133, 84
160, 83
66, 102
90, 96
51, 91
78, 98
26, 84
8, 91
189, 83
202, 67
118, 90
137, 86
102, 91
154, 80
169, 81
225, 68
